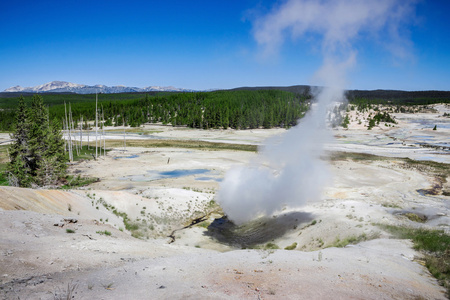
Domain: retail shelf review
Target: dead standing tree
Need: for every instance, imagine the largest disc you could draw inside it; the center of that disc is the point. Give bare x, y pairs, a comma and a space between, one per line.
124, 137
96, 126
104, 136
67, 129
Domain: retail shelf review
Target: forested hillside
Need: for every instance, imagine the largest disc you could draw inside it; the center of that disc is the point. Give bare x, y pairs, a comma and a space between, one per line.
396, 97
240, 108
218, 109
399, 97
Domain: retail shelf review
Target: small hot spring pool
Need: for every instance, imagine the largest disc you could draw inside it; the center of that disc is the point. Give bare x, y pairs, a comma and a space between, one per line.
129, 156
182, 173
207, 178
155, 175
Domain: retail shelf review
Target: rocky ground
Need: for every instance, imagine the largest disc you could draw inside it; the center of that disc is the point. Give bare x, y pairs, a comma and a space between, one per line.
75, 243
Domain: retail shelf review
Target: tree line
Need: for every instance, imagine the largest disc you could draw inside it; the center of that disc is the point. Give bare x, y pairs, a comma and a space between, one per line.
218, 109
244, 108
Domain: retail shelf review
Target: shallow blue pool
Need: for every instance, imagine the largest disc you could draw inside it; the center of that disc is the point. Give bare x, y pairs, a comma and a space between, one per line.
182, 173
130, 156
155, 175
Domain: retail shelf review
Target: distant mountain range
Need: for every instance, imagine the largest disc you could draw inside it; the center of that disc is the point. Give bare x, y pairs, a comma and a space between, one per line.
68, 87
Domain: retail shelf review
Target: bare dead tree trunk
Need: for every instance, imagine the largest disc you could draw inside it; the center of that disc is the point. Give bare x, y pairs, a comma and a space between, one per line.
72, 131
104, 136
96, 126
81, 133
124, 135
64, 136
70, 138
65, 126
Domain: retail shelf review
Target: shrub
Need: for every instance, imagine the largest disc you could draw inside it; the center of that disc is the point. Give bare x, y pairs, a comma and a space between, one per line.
271, 246
291, 247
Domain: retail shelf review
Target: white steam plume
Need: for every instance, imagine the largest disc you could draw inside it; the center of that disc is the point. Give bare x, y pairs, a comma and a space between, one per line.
288, 171
335, 24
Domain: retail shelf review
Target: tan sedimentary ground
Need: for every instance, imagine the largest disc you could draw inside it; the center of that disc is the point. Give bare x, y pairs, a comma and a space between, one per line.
40, 259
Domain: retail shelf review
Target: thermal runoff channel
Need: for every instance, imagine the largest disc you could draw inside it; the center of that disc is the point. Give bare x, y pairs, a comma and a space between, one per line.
288, 171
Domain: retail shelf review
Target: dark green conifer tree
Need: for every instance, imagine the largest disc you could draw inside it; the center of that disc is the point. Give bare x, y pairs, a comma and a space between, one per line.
37, 153
52, 166
18, 167
38, 131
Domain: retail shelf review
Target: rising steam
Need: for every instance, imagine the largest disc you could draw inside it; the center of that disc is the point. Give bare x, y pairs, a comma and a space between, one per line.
288, 171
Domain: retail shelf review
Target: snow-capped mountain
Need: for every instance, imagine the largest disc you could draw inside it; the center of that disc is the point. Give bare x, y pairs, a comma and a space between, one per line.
46, 87
68, 87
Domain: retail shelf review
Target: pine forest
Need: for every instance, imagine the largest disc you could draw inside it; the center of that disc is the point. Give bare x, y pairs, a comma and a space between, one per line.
204, 110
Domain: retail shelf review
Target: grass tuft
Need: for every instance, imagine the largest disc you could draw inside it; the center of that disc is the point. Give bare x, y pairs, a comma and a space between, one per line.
291, 247
105, 232
415, 217
351, 240
78, 181
271, 246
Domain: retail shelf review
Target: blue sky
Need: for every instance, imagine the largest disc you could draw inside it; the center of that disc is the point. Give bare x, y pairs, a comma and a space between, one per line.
207, 44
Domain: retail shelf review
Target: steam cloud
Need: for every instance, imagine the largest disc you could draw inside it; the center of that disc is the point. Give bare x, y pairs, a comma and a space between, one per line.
288, 171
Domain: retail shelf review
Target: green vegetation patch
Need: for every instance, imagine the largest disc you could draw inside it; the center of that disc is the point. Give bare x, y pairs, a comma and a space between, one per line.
4, 159
104, 232
133, 227
138, 130
199, 145
391, 205
271, 246
415, 217
357, 157
380, 117
3, 179
351, 240
291, 247
78, 181
424, 239
87, 152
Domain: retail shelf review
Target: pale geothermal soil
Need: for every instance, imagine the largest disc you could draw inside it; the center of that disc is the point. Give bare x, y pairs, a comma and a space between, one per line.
40, 260
412, 137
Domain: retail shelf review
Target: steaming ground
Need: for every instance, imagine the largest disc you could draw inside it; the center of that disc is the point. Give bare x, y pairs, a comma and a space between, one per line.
41, 261
287, 172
